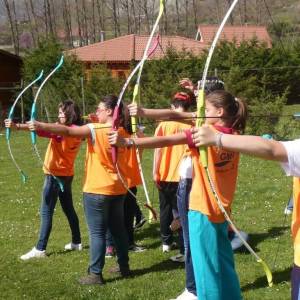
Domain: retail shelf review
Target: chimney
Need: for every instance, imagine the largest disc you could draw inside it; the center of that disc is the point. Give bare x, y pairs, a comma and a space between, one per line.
102, 36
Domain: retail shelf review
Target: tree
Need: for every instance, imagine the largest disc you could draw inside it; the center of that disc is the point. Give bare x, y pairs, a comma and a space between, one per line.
11, 14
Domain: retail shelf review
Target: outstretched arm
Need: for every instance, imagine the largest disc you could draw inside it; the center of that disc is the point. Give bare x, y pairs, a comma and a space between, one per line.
247, 144
147, 142
158, 114
79, 131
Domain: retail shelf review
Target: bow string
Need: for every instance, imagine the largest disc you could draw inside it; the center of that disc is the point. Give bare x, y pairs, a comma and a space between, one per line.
33, 117
203, 150
8, 130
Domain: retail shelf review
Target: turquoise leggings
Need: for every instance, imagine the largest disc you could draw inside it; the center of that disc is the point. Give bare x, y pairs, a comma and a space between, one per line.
212, 257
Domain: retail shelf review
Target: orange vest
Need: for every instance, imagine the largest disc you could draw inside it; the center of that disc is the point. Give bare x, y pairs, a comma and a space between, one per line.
100, 173
60, 156
223, 168
169, 158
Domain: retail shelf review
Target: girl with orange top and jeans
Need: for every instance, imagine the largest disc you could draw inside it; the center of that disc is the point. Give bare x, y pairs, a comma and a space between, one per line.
103, 191
212, 255
59, 161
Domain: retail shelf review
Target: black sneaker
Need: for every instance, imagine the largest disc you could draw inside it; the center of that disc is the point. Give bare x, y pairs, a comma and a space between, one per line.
140, 223
124, 272
92, 278
135, 248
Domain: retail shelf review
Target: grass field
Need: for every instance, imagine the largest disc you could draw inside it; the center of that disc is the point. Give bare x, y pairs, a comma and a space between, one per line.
260, 199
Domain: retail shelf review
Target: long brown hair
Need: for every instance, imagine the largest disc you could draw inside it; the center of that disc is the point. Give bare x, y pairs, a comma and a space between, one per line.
235, 110
71, 111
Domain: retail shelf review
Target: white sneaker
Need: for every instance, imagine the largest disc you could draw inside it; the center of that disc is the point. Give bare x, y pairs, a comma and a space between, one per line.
72, 246
186, 295
168, 248
178, 258
34, 253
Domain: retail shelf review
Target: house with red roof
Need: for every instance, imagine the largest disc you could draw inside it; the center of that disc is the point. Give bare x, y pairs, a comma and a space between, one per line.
119, 53
10, 80
237, 34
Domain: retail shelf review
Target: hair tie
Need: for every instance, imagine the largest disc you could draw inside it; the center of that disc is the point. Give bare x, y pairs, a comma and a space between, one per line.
182, 96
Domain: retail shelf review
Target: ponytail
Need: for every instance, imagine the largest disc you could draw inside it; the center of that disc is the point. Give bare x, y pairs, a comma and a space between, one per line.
235, 110
240, 117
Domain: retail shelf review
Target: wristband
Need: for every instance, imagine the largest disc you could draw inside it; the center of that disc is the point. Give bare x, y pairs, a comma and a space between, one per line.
189, 138
219, 140
131, 143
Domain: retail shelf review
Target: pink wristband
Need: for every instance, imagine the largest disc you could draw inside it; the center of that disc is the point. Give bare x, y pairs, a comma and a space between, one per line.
189, 138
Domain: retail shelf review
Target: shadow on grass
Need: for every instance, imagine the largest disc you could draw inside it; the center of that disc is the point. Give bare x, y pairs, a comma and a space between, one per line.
150, 231
256, 238
261, 282
163, 266
63, 252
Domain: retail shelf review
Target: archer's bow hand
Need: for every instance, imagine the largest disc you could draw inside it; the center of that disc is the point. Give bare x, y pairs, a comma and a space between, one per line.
135, 110
204, 136
33, 125
187, 84
115, 140
9, 123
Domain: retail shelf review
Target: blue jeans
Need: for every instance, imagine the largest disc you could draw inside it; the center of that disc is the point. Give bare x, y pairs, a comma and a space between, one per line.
183, 194
51, 192
104, 212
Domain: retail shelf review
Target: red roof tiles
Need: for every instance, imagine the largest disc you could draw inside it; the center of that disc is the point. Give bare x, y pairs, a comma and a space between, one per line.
235, 33
130, 47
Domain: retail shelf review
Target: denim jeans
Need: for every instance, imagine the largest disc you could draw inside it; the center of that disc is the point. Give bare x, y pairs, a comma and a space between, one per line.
130, 204
103, 212
51, 192
183, 194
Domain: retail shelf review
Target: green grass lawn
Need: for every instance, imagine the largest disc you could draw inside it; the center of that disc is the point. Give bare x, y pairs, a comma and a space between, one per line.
260, 199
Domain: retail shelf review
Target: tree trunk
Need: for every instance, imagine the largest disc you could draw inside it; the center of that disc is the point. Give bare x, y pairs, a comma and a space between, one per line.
186, 17
93, 23
145, 6
195, 15
30, 24
177, 17
78, 23
101, 15
49, 17
115, 12
85, 23
67, 22
231, 15
218, 10
133, 11
166, 29
36, 27
15, 38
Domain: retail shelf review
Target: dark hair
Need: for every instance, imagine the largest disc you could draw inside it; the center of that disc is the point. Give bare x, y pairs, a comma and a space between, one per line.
213, 83
71, 111
110, 102
179, 101
235, 110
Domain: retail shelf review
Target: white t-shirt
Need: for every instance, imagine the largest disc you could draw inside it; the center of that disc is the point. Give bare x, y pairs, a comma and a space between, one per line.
186, 168
292, 166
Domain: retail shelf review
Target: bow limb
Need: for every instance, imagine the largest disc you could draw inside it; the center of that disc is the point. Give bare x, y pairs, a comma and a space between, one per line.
10, 117
152, 214
33, 117
116, 119
203, 151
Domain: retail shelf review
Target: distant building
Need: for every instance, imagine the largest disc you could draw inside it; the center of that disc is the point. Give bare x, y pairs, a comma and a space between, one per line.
237, 34
119, 53
10, 80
